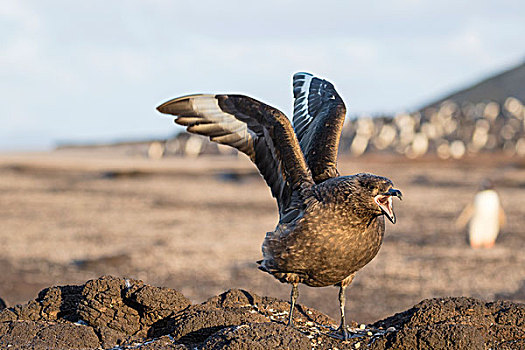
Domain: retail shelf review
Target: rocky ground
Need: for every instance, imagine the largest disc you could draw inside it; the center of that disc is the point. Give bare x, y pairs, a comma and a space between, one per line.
117, 313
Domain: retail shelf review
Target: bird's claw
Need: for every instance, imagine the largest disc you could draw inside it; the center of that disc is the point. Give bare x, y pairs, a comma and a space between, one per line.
344, 333
340, 333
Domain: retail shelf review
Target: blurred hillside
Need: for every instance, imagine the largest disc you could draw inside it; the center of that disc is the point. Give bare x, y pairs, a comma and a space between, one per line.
486, 117
496, 88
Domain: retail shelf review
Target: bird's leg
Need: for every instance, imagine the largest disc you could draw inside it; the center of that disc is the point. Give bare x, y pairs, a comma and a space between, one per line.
342, 299
293, 298
342, 332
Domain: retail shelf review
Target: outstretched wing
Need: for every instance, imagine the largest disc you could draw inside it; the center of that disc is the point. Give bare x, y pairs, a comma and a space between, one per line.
319, 114
254, 128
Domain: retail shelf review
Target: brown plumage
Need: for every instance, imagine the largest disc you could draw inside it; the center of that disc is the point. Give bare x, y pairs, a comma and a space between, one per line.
330, 226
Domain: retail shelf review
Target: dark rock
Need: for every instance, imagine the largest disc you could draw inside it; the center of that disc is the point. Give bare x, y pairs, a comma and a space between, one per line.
28, 312
46, 335
117, 310
18, 334
156, 302
7, 315
60, 302
52, 304
455, 323
261, 336
234, 298
103, 308
110, 311
439, 336
2, 304
121, 310
66, 336
201, 321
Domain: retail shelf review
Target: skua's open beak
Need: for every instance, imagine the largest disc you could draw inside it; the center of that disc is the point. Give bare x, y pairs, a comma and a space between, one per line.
384, 201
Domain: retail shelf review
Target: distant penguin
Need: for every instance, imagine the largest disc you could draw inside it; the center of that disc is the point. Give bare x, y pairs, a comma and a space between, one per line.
484, 215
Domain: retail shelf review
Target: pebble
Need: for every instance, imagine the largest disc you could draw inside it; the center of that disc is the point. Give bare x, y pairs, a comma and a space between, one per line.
362, 326
391, 329
357, 345
81, 323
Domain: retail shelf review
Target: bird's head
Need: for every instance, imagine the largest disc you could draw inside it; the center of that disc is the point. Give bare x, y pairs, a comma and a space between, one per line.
377, 192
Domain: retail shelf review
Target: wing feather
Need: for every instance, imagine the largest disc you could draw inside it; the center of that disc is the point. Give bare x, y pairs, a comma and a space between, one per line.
254, 128
319, 114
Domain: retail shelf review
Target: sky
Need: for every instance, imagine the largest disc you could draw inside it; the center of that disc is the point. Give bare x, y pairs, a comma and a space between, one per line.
89, 71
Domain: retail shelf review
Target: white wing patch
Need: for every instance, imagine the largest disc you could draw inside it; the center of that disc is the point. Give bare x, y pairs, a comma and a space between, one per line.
220, 126
301, 117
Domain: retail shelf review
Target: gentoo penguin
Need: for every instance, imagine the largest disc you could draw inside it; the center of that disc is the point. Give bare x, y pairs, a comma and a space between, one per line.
485, 217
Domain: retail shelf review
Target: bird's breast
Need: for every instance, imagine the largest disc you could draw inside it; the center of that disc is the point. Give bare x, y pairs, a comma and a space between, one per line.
329, 247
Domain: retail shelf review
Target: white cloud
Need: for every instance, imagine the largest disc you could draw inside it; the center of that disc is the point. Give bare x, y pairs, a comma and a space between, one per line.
20, 35
19, 14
